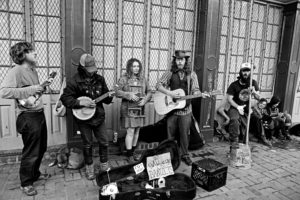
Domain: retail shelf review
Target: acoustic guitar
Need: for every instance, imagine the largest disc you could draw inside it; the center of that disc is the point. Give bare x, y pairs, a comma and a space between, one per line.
164, 103
34, 100
86, 113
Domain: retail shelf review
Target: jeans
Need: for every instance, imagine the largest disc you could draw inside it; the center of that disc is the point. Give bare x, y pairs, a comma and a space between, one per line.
237, 127
32, 126
181, 124
100, 134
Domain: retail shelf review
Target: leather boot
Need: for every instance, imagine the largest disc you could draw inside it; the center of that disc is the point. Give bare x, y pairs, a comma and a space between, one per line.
90, 172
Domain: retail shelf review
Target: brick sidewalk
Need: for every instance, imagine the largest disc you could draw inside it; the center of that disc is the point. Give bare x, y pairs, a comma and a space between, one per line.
275, 174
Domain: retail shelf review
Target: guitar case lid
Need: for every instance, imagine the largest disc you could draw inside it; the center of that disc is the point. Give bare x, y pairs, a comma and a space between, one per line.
124, 171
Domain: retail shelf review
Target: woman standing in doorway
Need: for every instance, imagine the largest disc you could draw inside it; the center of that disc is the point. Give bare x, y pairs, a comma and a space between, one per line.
135, 93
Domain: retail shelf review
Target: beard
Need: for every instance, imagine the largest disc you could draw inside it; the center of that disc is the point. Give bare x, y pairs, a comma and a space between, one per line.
245, 79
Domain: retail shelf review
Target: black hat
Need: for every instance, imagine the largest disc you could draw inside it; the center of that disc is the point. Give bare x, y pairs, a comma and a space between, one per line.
180, 54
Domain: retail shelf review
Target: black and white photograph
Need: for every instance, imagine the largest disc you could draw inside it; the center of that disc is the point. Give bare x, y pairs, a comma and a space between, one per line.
150, 99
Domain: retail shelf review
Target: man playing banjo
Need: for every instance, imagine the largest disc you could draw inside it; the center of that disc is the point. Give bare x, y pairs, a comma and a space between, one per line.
86, 82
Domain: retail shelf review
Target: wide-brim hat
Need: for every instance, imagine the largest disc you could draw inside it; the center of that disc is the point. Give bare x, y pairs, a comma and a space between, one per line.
180, 54
88, 62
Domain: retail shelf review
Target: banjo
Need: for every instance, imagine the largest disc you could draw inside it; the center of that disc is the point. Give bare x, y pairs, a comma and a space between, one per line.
86, 113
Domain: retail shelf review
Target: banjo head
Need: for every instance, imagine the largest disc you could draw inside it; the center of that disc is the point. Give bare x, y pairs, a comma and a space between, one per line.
84, 113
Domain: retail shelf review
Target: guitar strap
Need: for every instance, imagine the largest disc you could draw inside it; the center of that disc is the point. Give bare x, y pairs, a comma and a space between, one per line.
188, 83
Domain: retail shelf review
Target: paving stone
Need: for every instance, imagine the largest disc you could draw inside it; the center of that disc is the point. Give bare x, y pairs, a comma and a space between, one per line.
268, 178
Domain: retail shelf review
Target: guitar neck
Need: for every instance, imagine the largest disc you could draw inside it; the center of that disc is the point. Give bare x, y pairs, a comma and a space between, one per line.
191, 96
101, 97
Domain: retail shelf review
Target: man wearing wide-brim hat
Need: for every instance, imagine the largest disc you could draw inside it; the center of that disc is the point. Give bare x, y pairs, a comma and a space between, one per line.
180, 77
87, 83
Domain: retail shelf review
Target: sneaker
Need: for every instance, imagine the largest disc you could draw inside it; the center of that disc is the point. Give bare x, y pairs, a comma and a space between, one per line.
187, 160
104, 166
90, 172
29, 190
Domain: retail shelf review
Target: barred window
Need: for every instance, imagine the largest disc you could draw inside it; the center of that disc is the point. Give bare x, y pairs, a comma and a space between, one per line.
248, 29
147, 30
104, 30
160, 39
12, 30
47, 39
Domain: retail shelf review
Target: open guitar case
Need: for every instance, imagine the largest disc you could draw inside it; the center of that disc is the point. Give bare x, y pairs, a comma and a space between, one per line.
196, 138
131, 186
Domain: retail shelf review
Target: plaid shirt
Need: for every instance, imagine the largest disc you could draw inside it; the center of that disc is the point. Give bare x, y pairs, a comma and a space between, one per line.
194, 87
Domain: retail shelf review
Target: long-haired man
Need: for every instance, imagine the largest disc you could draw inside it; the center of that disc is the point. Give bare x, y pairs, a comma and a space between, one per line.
180, 120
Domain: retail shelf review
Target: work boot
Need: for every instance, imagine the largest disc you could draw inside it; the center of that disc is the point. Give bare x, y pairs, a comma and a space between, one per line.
90, 172
104, 166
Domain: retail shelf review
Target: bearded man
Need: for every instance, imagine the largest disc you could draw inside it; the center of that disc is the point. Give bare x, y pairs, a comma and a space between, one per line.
238, 98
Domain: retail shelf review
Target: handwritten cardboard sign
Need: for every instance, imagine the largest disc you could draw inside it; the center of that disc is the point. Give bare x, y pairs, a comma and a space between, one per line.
159, 166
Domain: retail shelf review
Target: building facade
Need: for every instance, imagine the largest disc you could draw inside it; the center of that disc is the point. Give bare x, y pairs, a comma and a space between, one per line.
218, 34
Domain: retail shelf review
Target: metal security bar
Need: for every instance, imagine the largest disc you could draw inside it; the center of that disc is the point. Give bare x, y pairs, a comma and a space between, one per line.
172, 27
160, 39
185, 25
12, 20
104, 34
257, 37
239, 38
133, 31
249, 26
226, 32
273, 27
147, 30
46, 23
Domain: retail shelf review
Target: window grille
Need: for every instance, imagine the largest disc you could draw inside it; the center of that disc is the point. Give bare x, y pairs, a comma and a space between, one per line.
47, 27
147, 30
12, 30
238, 43
160, 39
104, 33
